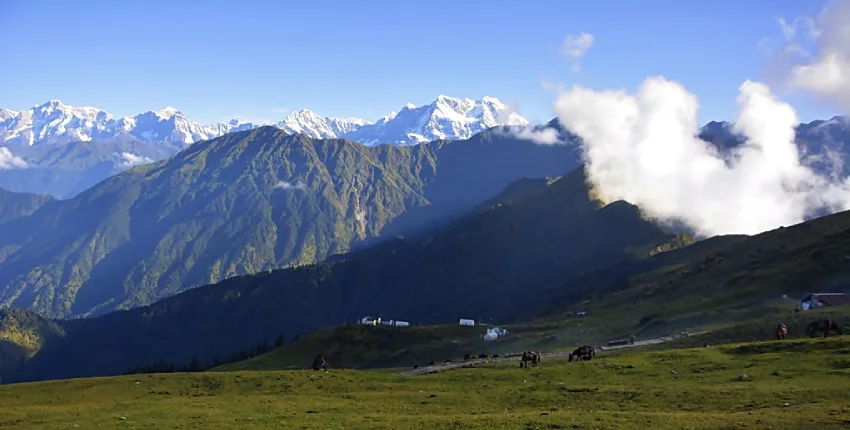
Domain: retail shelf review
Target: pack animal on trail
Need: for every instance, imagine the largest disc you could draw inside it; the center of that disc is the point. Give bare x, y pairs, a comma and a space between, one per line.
527, 356
582, 353
781, 332
825, 325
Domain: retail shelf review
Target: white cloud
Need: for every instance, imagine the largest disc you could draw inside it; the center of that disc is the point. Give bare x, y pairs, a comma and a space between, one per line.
253, 119
9, 161
575, 47
642, 148
788, 30
549, 83
284, 185
794, 49
827, 74
538, 135
127, 160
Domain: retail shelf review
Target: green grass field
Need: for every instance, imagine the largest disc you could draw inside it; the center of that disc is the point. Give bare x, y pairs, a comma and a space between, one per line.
800, 383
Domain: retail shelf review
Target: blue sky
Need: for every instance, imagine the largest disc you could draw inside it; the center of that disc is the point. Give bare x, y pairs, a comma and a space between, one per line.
255, 59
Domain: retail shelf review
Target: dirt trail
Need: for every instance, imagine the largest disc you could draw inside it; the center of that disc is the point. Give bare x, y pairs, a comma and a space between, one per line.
657, 340
515, 357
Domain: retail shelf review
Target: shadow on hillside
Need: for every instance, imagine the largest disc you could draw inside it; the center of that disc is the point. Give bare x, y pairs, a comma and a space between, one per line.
11, 356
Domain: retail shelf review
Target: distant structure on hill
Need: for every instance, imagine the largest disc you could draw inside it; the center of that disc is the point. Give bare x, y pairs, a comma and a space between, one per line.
378, 321
494, 332
815, 301
466, 322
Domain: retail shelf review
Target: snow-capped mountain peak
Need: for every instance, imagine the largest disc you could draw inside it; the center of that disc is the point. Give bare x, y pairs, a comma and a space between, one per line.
167, 112
494, 102
311, 124
390, 116
6, 114
447, 118
54, 121
444, 118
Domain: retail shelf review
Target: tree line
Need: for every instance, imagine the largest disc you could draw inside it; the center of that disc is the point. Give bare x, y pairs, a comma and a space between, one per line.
195, 365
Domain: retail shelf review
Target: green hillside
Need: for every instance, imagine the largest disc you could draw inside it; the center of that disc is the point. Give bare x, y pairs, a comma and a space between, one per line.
244, 203
22, 335
64, 169
730, 285
365, 347
15, 205
743, 280
537, 255
796, 384
490, 264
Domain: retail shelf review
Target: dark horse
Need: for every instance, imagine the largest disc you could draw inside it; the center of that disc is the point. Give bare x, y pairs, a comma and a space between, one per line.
825, 325
527, 356
320, 363
582, 353
781, 332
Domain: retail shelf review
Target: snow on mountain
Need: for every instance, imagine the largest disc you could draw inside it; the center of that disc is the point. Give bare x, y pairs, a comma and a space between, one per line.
51, 120
54, 122
308, 123
170, 125
832, 131
445, 118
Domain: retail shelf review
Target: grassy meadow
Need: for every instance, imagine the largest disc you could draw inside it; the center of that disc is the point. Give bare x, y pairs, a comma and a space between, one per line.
792, 384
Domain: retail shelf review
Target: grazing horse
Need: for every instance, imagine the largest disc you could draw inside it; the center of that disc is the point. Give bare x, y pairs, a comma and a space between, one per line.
781, 332
484, 356
582, 353
320, 363
825, 325
527, 356
466, 357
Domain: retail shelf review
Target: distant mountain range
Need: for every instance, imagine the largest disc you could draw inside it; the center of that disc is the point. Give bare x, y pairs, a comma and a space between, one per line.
446, 118
62, 150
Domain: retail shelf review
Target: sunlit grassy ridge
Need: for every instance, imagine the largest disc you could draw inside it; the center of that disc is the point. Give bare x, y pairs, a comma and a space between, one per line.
788, 385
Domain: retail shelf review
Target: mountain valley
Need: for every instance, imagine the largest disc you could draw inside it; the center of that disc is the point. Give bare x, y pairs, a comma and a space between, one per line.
244, 203
237, 216
297, 233
494, 263
488, 262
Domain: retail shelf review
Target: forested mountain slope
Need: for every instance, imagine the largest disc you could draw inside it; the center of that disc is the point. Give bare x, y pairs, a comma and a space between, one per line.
244, 203
491, 264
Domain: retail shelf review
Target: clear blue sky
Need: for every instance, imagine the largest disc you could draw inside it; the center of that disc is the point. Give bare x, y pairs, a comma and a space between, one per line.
214, 59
